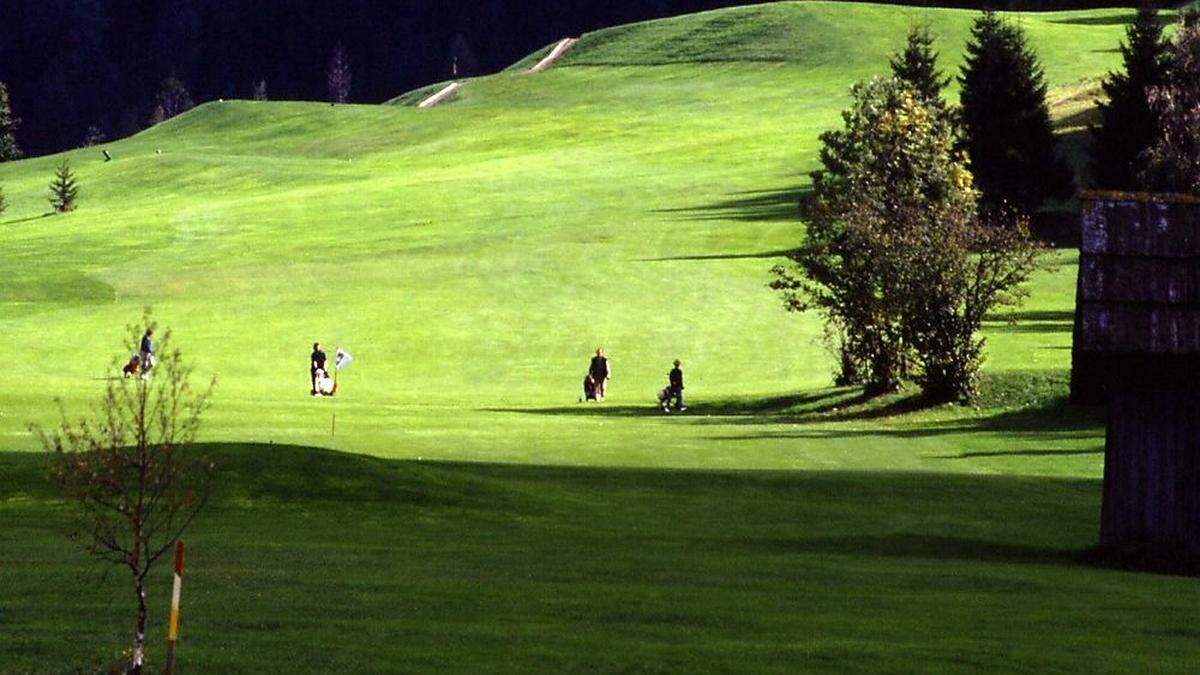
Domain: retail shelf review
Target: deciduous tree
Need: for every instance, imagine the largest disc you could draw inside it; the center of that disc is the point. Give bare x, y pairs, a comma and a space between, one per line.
1173, 161
895, 255
130, 473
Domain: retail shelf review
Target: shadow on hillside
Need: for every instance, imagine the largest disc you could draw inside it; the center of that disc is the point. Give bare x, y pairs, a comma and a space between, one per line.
867, 514
1164, 19
749, 206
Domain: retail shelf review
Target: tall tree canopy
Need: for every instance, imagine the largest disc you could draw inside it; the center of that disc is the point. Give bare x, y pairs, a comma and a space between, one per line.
1009, 137
1128, 124
1173, 160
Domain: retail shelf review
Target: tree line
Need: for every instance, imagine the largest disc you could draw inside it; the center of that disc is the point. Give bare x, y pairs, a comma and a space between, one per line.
917, 226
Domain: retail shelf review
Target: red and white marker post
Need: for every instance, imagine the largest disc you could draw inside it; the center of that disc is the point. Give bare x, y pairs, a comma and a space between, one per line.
173, 626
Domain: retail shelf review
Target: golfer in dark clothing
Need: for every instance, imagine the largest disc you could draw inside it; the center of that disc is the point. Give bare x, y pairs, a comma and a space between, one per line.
600, 372
318, 363
676, 379
146, 352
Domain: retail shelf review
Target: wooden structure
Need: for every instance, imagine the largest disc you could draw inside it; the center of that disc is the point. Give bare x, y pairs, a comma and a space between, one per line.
1137, 347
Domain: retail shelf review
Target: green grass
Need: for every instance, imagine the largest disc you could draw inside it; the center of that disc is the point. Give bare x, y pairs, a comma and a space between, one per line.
471, 257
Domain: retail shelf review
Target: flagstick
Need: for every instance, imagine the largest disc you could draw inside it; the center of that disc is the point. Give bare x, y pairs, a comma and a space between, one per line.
333, 406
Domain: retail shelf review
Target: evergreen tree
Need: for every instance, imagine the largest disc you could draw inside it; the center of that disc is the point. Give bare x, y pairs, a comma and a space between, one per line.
8, 128
94, 136
1009, 137
1127, 122
462, 60
173, 99
63, 190
338, 76
917, 64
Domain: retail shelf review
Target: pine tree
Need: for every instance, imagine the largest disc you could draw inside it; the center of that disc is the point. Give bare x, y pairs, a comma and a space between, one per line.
1127, 122
1009, 137
8, 128
63, 190
462, 60
338, 76
916, 64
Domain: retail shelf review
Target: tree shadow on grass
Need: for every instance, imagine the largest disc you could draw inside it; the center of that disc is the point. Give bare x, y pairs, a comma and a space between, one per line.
782, 253
1061, 321
1024, 453
748, 206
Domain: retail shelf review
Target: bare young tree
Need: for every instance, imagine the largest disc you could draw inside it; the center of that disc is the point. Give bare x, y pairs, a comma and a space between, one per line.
130, 473
338, 76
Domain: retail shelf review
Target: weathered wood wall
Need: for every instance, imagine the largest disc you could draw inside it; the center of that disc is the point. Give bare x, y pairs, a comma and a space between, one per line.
1137, 347
1139, 284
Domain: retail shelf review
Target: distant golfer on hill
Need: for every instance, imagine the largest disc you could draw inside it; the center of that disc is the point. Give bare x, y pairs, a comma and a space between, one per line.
317, 363
600, 372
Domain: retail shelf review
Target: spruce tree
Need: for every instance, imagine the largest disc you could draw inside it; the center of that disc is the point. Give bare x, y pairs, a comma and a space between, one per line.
1009, 137
916, 64
8, 128
63, 190
1127, 122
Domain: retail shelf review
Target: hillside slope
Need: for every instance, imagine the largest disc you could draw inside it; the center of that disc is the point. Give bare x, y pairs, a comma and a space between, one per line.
472, 256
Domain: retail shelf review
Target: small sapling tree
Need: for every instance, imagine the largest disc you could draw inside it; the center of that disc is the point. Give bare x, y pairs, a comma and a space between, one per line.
63, 190
130, 474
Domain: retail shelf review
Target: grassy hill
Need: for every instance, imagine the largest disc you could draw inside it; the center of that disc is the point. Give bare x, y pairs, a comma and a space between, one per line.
471, 257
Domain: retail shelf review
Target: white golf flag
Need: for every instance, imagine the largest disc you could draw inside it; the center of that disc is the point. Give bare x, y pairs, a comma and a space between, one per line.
341, 359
